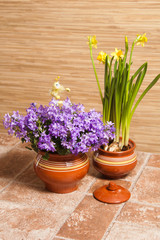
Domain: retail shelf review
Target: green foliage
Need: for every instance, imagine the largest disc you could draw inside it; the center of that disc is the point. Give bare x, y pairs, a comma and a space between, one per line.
120, 92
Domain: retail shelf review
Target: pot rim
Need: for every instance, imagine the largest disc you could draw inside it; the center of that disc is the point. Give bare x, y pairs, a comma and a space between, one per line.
122, 153
67, 157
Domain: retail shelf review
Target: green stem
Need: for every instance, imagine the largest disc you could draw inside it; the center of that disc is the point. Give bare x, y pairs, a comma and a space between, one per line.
129, 68
130, 59
100, 92
126, 140
117, 134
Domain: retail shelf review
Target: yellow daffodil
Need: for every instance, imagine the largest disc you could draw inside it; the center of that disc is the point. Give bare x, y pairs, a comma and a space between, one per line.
102, 57
118, 54
57, 88
141, 39
93, 41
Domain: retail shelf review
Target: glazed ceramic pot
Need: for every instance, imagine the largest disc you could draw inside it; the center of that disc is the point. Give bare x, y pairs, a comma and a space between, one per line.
61, 173
115, 164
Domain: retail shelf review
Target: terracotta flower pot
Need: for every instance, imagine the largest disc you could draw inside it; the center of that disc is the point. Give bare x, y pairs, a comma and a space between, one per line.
115, 164
61, 173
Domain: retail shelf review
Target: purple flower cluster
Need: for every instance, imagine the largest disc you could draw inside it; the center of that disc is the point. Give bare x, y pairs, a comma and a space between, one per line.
65, 129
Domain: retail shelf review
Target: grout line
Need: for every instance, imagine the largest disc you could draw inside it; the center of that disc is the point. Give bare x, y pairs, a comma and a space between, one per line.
17, 143
11, 147
140, 172
138, 225
130, 189
64, 238
81, 199
145, 203
113, 221
15, 178
152, 167
89, 194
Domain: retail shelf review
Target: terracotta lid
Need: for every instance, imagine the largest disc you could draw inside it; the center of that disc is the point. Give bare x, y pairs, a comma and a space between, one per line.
112, 193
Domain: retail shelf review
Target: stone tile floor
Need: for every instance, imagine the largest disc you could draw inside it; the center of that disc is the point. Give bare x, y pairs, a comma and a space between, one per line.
28, 211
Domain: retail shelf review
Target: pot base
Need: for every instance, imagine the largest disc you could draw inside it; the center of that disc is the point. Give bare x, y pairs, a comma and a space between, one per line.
60, 189
114, 172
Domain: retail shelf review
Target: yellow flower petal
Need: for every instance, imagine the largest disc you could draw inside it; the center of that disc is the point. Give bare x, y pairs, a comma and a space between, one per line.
118, 54
102, 57
93, 41
141, 39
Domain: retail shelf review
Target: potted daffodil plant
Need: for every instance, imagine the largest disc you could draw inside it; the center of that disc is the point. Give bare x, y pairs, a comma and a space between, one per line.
119, 99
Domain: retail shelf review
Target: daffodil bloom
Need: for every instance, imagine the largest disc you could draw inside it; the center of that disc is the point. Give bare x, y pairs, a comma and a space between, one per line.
141, 39
102, 57
93, 41
118, 54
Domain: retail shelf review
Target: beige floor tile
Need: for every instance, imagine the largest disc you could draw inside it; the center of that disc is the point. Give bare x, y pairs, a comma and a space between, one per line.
141, 156
8, 140
154, 161
24, 145
37, 196
147, 188
89, 221
124, 231
12, 163
7, 143
18, 222
29, 177
140, 214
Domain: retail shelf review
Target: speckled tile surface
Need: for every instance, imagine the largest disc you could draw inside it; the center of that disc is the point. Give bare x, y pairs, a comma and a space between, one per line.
28, 211
131, 232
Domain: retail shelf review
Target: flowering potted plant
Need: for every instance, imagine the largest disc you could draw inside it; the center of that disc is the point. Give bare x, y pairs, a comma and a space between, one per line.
119, 101
61, 134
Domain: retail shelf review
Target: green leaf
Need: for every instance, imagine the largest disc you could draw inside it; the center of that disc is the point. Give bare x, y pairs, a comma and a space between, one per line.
106, 75
110, 71
46, 156
144, 93
137, 86
23, 140
115, 67
138, 71
29, 148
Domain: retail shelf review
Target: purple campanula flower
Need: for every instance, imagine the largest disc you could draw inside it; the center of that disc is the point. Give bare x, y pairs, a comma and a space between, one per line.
68, 127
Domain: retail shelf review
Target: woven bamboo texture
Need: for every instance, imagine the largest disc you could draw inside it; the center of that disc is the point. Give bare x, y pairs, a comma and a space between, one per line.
40, 40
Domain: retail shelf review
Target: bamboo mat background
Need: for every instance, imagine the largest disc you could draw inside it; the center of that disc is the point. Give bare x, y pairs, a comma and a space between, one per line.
40, 40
